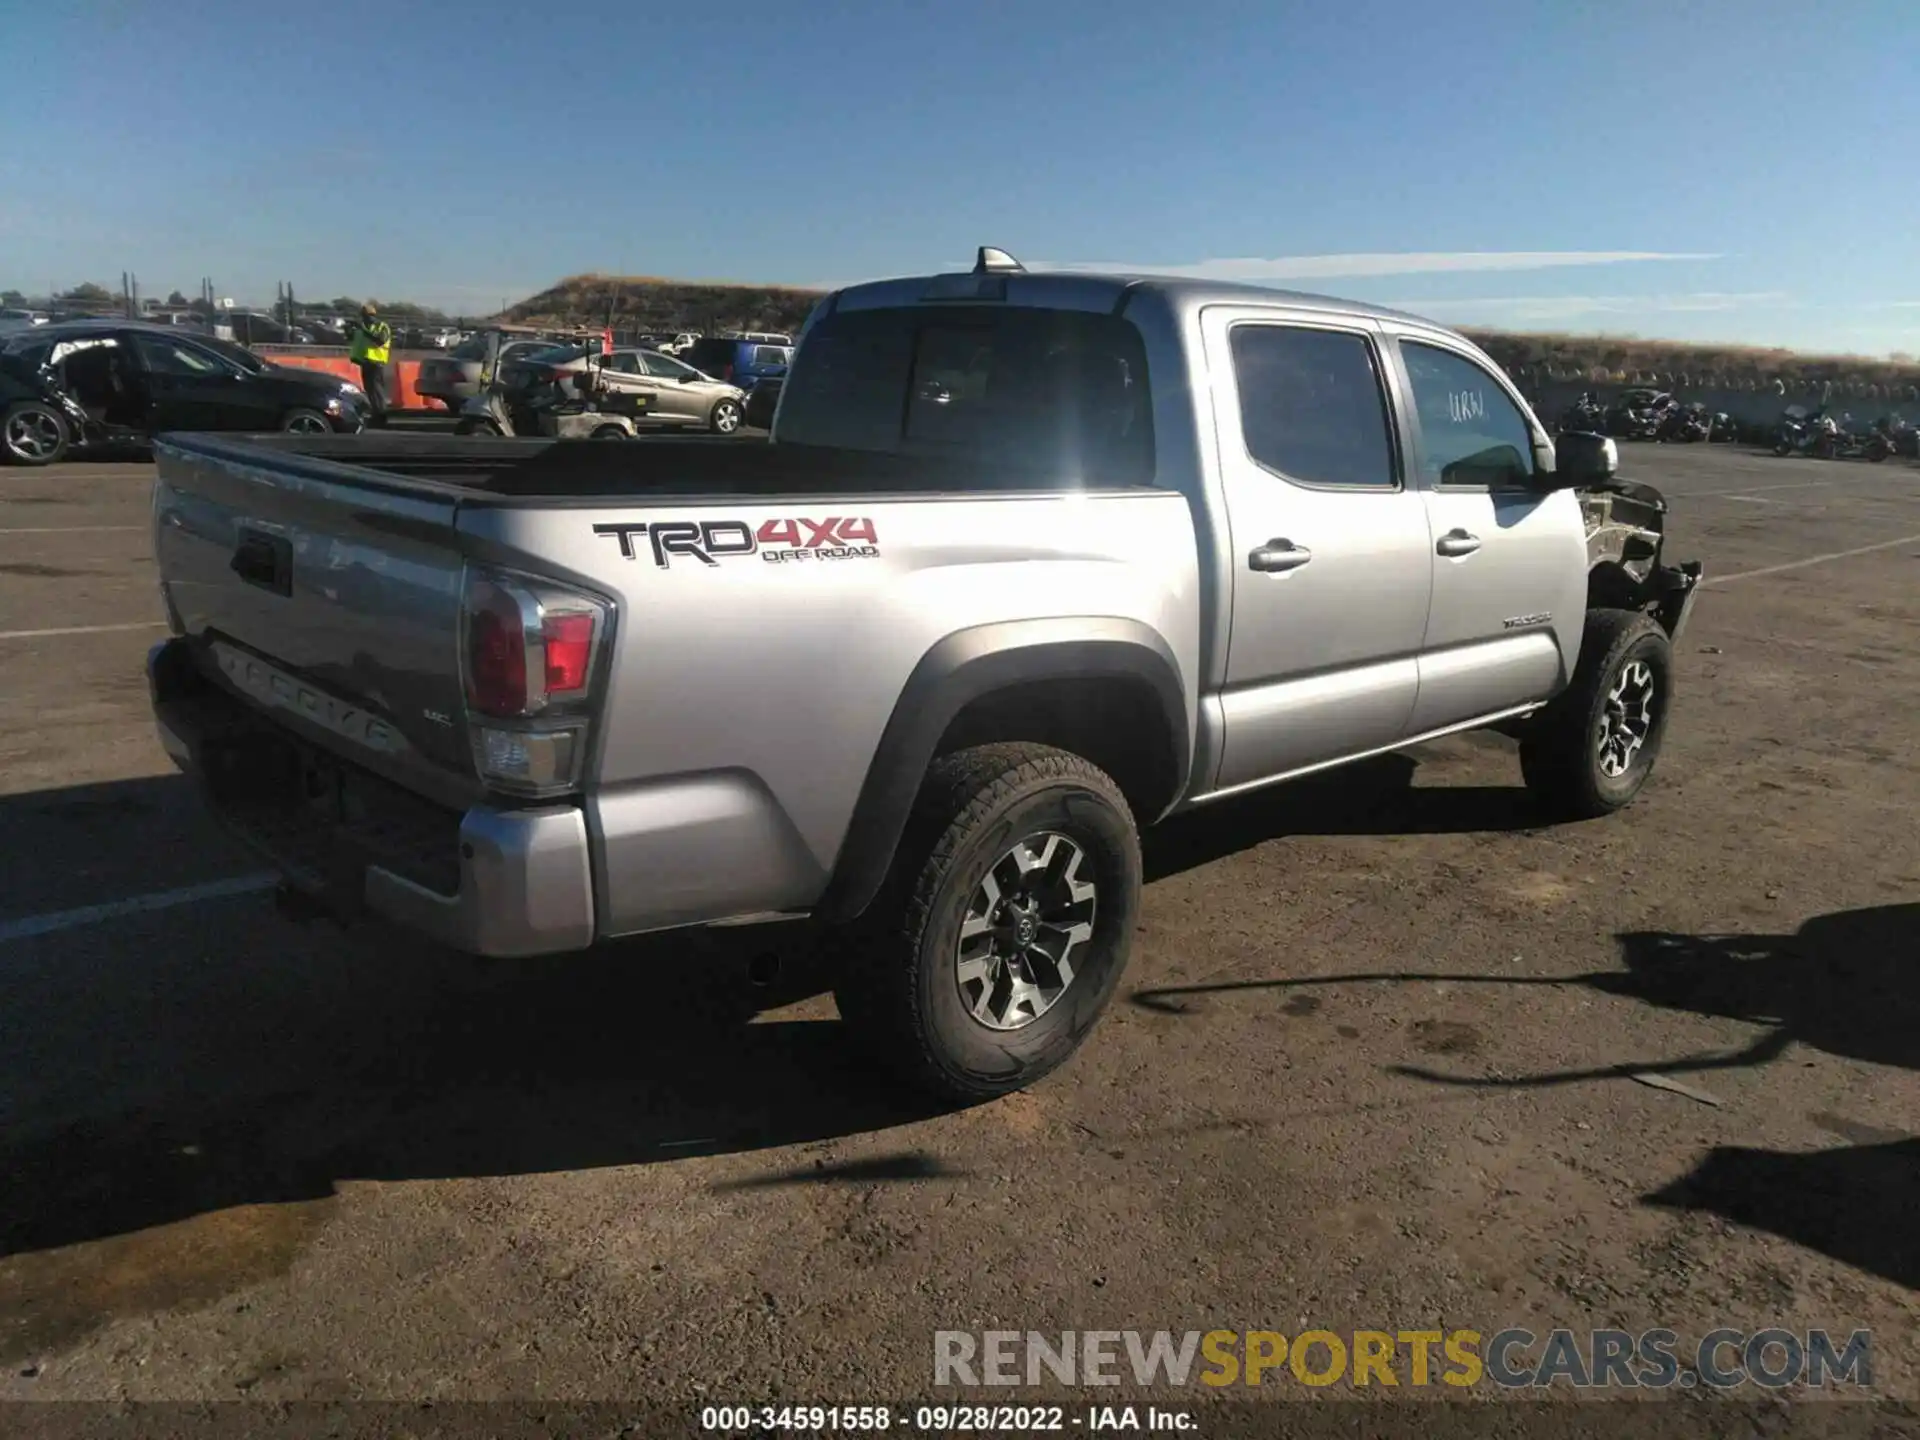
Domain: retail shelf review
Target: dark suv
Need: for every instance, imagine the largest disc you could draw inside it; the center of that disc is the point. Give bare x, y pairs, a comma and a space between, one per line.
738, 362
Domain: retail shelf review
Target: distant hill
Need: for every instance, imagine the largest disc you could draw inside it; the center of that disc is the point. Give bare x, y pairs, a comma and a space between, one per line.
646, 302
643, 302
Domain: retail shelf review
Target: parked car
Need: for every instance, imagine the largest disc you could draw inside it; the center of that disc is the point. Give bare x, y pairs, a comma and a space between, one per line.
762, 401
131, 381
738, 362
250, 328
9, 318
920, 666
681, 395
454, 379
1638, 414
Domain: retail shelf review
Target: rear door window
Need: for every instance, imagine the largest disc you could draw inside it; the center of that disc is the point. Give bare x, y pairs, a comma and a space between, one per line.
1312, 406
665, 367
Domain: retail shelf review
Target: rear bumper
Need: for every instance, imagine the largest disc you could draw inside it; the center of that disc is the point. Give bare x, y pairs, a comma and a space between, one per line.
491, 881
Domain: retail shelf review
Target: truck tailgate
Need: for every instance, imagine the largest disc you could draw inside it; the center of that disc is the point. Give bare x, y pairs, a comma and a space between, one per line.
331, 597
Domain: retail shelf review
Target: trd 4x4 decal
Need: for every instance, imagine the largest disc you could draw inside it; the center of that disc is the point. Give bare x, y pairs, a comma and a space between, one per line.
778, 542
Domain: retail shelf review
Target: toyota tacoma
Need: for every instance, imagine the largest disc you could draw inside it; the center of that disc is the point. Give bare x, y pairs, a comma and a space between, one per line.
1031, 561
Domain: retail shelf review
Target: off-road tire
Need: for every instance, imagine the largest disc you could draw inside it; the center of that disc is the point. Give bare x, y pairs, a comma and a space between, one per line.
1559, 754
897, 984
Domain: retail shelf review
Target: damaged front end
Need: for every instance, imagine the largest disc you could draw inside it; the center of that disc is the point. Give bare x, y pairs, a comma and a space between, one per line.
1626, 528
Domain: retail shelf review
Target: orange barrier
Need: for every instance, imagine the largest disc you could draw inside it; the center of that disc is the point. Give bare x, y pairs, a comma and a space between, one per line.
402, 375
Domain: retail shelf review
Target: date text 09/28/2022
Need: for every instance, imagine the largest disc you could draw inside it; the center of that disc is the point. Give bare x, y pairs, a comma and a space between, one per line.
944, 1419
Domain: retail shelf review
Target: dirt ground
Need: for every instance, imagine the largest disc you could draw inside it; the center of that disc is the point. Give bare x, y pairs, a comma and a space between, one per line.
1371, 1067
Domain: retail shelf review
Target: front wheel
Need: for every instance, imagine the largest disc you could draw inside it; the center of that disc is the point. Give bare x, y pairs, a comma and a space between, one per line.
1591, 750
305, 422
1783, 447
1006, 923
33, 434
609, 432
726, 417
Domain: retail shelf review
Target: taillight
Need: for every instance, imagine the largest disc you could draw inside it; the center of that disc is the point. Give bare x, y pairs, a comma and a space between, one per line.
569, 651
529, 657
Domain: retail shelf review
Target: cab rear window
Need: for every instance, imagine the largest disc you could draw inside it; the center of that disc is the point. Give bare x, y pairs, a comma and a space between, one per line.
1055, 388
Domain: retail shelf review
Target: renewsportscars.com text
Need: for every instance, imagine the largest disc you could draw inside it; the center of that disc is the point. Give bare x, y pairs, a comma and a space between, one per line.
1513, 1359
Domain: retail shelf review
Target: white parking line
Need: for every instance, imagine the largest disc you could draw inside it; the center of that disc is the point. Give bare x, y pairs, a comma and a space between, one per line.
1747, 491
81, 630
1753, 499
69, 529
1812, 560
31, 925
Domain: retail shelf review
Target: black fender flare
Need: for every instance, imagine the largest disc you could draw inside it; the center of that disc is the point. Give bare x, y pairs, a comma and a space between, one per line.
960, 669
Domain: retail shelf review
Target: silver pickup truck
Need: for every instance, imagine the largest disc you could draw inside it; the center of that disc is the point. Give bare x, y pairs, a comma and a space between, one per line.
1032, 561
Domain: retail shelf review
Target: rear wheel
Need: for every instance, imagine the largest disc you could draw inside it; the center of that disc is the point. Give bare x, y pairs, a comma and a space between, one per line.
305, 422
609, 432
725, 418
32, 433
1591, 750
468, 425
1000, 935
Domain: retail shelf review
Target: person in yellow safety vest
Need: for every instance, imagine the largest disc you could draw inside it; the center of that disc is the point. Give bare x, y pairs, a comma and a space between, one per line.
372, 342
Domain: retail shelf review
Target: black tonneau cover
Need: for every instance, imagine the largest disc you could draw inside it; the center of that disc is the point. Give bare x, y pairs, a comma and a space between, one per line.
506, 470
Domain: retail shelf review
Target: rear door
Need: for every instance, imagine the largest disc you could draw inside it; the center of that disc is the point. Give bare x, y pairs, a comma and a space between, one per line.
189, 388
1510, 564
678, 392
1332, 569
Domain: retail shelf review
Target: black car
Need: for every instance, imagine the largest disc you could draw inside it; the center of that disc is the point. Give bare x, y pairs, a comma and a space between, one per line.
110, 382
762, 400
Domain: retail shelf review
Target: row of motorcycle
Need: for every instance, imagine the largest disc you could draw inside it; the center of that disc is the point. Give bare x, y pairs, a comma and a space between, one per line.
1658, 415
1648, 415
1819, 434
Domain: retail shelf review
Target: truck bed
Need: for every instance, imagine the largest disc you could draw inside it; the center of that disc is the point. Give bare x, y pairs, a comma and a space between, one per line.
481, 470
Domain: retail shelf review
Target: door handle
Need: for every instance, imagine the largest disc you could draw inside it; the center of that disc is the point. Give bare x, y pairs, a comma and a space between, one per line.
1457, 543
1277, 555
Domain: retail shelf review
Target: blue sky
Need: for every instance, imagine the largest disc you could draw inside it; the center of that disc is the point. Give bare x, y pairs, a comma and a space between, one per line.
1711, 169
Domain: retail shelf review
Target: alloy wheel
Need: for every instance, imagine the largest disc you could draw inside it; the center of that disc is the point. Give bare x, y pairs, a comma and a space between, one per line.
1028, 917
1627, 719
33, 435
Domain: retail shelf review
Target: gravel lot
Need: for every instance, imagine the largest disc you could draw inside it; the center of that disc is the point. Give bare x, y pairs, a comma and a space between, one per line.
1371, 1068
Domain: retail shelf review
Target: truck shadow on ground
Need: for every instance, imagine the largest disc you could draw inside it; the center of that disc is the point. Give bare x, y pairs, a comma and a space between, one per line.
215, 1055
158, 1067
1846, 983
1368, 797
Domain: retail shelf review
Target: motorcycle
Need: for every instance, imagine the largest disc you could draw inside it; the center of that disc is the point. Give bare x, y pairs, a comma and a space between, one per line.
1902, 438
1852, 444
1684, 424
1723, 429
1822, 437
1802, 434
1637, 415
1585, 416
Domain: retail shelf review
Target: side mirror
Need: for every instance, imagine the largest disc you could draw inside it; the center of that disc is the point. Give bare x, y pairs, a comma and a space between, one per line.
1581, 458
